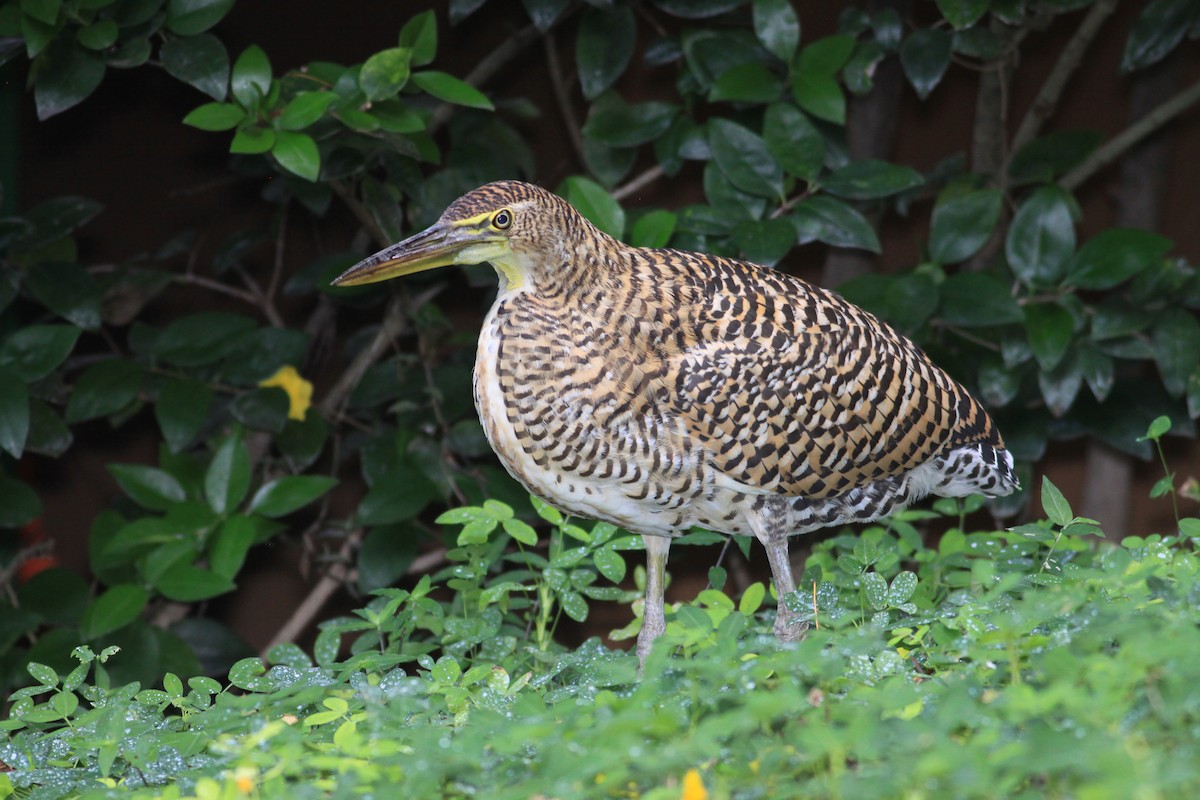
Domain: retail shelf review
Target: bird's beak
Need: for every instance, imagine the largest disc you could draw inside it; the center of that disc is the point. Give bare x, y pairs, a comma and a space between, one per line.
439, 245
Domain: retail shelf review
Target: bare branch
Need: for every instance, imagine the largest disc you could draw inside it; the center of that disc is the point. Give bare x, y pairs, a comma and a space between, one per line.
562, 97
1116, 146
1046, 102
638, 182
488, 66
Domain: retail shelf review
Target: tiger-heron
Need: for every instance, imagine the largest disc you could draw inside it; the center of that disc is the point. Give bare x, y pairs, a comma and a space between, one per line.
662, 389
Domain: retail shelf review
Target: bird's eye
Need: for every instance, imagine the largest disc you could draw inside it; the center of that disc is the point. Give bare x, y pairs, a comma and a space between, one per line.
502, 220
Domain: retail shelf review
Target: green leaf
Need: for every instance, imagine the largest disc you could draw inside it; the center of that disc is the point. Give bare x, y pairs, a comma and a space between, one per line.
1055, 506
228, 476
284, 495
610, 564
596, 204
298, 154
793, 140
304, 109
925, 55
104, 388
653, 229
181, 410
902, 588
200, 61
14, 412
1175, 340
99, 35
973, 299
604, 47
68, 290
250, 141
765, 241
826, 219
33, 352
825, 56
189, 17
697, 9
1050, 328
399, 494
251, 78
1114, 256
419, 35
744, 159
1041, 237
777, 27
230, 544
876, 590
820, 95
521, 531
215, 117
203, 338
385, 73
114, 609
962, 13
1158, 428
66, 75
545, 13
48, 434
446, 87
1060, 386
19, 505
187, 583
1159, 30
149, 487
574, 605
871, 179
963, 220
746, 83
45, 11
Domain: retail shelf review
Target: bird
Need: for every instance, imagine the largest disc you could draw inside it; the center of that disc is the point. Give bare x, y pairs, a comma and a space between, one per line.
662, 390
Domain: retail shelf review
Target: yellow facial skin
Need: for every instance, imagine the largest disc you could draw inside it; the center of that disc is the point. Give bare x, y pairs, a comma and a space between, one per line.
465, 241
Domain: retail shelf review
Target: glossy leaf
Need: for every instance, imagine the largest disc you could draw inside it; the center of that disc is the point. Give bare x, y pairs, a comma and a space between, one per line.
420, 35
298, 154
227, 478
399, 494
1175, 340
289, 493
1054, 504
215, 117
653, 229
189, 17
1041, 237
385, 73
200, 61
68, 290
14, 412
604, 47
187, 583
446, 87
67, 75
304, 109
104, 388
19, 505
613, 122
870, 179
1114, 256
962, 13
973, 299
1050, 328
34, 351
793, 140
925, 55
746, 83
963, 221
743, 157
181, 409
1049, 156
114, 609
250, 80
1159, 30
777, 27
820, 95
826, 219
149, 487
545, 13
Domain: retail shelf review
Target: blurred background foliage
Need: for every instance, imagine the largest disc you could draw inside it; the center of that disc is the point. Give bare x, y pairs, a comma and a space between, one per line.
262, 410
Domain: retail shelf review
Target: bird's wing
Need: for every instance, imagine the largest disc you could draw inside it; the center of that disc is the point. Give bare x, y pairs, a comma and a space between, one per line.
792, 390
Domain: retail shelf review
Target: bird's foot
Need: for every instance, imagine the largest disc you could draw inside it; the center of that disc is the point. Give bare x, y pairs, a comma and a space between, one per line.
789, 626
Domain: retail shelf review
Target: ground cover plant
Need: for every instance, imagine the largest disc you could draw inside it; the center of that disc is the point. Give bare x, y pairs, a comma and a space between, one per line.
949, 655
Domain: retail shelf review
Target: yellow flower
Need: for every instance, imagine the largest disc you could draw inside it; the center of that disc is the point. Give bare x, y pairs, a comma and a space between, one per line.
299, 391
693, 787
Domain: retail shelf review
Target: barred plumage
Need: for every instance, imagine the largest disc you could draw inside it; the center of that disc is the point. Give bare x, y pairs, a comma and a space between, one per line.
663, 389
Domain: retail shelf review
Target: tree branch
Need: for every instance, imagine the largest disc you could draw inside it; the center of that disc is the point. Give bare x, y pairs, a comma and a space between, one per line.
638, 182
488, 66
1049, 95
561, 96
1116, 146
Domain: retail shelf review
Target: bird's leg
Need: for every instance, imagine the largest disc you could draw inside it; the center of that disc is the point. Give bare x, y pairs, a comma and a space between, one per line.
654, 620
788, 625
